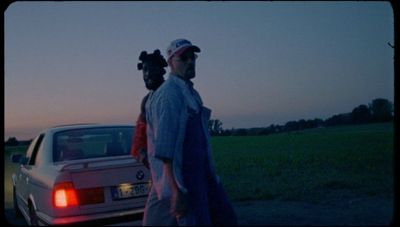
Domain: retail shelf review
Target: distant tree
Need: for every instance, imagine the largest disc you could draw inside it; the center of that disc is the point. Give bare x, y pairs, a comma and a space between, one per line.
226, 132
278, 128
309, 124
361, 115
240, 132
318, 122
302, 124
314, 123
268, 130
291, 126
12, 141
339, 119
24, 142
272, 128
381, 110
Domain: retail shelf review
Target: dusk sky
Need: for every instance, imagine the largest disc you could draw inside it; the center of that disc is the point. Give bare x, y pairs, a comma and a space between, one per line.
261, 63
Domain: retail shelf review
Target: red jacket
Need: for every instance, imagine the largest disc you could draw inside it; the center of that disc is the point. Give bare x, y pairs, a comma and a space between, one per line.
140, 138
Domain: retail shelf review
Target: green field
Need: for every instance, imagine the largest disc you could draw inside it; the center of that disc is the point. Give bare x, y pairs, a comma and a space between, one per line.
302, 166
308, 165
10, 168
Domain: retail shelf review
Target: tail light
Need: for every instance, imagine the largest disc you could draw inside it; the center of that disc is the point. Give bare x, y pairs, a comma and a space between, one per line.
65, 195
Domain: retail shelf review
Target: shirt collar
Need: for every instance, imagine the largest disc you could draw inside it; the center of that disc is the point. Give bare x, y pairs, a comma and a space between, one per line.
191, 96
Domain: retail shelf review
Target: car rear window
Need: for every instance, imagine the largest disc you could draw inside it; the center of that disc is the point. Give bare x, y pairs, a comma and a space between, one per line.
92, 143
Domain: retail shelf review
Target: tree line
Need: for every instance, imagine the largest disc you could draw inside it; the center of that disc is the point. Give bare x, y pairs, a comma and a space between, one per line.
12, 141
379, 110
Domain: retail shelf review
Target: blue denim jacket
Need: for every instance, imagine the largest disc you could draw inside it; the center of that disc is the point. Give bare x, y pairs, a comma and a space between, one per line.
167, 113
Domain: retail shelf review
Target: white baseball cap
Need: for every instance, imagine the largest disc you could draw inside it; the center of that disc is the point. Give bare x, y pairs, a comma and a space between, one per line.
178, 46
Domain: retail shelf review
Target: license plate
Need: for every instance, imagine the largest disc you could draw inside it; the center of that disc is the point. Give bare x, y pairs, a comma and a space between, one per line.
126, 191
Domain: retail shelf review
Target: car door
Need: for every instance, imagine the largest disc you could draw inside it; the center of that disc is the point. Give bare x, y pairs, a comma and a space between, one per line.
26, 167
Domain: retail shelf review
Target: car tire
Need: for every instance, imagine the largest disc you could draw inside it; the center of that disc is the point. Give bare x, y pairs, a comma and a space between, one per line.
17, 211
33, 219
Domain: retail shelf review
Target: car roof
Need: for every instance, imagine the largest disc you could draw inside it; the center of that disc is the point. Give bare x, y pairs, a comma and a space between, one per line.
58, 128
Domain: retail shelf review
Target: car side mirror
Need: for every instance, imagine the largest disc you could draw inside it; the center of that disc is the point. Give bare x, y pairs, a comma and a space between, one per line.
16, 158
19, 158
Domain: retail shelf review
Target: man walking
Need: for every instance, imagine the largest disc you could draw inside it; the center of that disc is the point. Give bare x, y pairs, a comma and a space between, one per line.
186, 189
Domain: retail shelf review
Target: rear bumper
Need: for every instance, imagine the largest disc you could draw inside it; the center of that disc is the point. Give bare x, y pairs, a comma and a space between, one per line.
94, 219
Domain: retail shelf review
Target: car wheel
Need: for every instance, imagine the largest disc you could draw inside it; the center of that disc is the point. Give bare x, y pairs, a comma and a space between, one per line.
17, 212
32, 215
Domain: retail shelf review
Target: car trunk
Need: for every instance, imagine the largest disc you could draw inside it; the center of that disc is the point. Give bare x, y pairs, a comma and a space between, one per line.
107, 184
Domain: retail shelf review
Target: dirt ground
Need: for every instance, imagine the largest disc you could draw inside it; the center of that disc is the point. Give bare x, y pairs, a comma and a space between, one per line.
354, 211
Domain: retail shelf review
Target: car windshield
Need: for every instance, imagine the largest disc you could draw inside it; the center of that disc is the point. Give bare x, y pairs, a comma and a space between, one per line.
92, 143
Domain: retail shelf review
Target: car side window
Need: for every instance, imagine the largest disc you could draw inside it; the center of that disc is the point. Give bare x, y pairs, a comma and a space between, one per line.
35, 150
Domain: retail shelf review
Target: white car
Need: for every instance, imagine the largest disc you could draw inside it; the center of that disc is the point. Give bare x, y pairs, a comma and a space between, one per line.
80, 174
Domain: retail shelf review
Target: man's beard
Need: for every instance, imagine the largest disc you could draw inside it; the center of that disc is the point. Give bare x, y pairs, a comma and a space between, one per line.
190, 73
153, 84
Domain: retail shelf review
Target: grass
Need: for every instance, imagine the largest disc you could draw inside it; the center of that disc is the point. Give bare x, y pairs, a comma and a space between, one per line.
9, 169
303, 165
306, 165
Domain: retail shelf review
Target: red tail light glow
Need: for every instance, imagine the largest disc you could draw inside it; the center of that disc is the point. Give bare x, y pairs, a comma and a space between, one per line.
64, 195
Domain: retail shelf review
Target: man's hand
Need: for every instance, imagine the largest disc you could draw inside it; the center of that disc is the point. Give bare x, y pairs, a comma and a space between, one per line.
179, 204
179, 200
